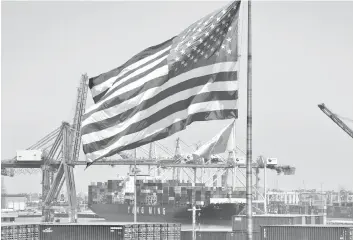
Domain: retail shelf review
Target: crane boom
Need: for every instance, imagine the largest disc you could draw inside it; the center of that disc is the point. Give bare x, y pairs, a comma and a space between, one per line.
77, 122
71, 139
336, 120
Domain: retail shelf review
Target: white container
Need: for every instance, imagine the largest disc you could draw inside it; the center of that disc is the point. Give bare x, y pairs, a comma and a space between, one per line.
16, 206
271, 161
10, 205
22, 206
29, 155
240, 160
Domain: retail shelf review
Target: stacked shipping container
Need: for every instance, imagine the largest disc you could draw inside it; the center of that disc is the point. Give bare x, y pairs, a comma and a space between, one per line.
140, 231
94, 231
218, 235
312, 232
340, 212
20, 231
239, 222
97, 193
156, 192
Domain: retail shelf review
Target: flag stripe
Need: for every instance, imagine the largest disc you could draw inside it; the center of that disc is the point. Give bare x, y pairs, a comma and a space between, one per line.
170, 130
143, 119
116, 115
126, 102
157, 73
138, 74
216, 110
143, 71
133, 63
135, 69
156, 79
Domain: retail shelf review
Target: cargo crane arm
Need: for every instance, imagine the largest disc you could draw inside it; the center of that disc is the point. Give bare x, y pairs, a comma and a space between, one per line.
71, 138
74, 149
334, 118
8, 166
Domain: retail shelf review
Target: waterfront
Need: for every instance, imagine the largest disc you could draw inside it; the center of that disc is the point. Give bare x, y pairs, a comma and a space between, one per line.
184, 227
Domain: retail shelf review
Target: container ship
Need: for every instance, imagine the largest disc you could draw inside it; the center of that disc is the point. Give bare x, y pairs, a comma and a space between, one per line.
164, 201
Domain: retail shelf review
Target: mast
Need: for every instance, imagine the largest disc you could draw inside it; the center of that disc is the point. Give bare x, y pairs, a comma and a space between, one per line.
249, 132
151, 155
265, 187
194, 207
135, 194
177, 156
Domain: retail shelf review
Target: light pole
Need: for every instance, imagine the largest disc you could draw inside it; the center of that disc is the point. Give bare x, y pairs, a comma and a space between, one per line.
323, 202
265, 188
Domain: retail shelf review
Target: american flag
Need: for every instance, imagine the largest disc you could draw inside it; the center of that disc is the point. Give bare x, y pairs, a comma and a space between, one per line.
163, 89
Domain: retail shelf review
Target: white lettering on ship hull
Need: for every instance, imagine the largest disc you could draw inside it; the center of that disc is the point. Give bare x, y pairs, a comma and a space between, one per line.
151, 210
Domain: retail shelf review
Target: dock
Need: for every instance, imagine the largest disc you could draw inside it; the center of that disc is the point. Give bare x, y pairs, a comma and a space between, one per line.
266, 228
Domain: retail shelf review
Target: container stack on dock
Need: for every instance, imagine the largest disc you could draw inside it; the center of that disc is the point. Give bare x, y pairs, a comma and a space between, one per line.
103, 231
218, 235
307, 232
81, 231
239, 222
172, 231
91, 231
20, 231
131, 232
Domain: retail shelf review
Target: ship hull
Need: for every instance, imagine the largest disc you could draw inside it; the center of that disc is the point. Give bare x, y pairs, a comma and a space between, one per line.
220, 214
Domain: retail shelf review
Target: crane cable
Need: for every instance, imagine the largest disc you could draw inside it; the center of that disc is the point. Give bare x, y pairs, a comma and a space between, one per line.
344, 118
164, 149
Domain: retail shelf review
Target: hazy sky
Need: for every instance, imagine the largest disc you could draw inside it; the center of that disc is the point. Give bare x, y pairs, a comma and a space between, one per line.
302, 56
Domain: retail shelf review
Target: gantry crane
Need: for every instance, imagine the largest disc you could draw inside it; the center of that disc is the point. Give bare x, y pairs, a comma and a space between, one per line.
334, 118
47, 165
71, 143
56, 158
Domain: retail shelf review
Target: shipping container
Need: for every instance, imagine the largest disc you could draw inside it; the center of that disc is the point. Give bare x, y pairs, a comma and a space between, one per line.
307, 232
239, 222
218, 235
107, 231
81, 231
171, 192
20, 231
198, 195
29, 155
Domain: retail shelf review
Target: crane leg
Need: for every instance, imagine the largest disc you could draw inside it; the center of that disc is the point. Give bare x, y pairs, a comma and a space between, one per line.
71, 192
64, 172
69, 175
45, 189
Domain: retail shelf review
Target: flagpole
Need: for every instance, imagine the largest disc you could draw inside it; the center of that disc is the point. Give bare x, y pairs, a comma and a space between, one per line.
249, 132
265, 191
135, 194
